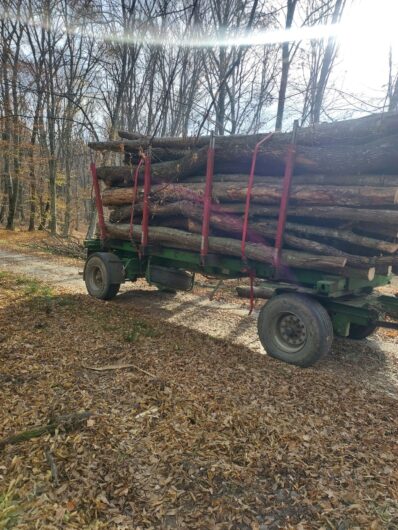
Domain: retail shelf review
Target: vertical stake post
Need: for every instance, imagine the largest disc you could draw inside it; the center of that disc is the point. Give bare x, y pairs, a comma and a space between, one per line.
287, 182
204, 245
249, 192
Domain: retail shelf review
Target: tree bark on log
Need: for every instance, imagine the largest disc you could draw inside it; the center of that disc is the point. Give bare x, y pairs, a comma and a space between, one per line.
159, 155
259, 292
317, 195
332, 180
343, 235
231, 247
232, 225
234, 155
377, 230
353, 131
132, 135
190, 164
389, 218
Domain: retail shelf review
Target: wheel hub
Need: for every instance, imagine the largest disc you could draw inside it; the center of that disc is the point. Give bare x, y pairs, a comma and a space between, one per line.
97, 277
292, 330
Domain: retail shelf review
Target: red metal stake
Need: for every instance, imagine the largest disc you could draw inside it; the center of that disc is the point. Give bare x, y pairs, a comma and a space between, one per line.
147, 191
287, 181
135, 188
246, 216
98, 201
249, 192
204, 246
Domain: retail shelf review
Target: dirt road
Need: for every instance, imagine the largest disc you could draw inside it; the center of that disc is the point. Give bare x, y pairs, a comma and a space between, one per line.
376, 358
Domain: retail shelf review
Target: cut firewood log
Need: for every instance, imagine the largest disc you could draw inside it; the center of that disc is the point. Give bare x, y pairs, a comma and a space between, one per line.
231, 247
353, 131
379, 231
389, 218
331, 180
234, 155
159, 155
258, 292
316, 195
132, 135
233, 226
344, 235
191, 163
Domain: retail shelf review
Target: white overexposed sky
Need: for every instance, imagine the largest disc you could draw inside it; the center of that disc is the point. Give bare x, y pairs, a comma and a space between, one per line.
368, 29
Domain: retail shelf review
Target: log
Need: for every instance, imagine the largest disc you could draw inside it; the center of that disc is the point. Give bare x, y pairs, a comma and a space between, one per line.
334, 180
343, 235
377, 230
190, 164
234, 154
67, 421
377, 156
353, 131
387, 217
159, 155
259, 292
231, 225
319, 195
132, 135
227, 246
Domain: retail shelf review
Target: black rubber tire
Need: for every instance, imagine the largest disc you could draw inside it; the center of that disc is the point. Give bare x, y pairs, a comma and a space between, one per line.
311, 320
97, 276
358, 332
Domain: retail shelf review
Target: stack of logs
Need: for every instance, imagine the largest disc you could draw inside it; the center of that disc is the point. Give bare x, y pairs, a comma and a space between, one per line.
343, 209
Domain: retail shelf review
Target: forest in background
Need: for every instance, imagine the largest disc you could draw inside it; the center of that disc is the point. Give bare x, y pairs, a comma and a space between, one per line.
74, 71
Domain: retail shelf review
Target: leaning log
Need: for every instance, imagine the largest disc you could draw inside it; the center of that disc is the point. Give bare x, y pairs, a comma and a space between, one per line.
230, 247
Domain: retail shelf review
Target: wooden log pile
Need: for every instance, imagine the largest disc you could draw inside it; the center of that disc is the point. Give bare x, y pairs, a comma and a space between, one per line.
343, 209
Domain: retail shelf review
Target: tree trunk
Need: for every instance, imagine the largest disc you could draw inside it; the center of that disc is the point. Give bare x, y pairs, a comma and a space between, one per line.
291, 7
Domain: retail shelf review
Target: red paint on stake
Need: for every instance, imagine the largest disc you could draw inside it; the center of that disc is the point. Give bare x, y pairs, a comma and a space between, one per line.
249, 192
204, 246
287, 183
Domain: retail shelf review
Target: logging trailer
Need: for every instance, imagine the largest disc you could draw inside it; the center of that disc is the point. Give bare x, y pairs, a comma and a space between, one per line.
308, 307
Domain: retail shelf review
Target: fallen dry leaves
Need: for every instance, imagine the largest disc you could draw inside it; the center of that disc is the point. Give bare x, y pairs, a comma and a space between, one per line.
220, 438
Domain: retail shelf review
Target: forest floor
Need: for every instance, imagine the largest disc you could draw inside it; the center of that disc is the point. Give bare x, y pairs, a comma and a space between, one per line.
192, 426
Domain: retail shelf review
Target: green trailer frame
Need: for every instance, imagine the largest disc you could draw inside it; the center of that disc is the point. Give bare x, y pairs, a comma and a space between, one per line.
354, 308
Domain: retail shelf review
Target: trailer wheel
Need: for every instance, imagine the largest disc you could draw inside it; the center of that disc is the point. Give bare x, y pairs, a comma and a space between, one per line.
295, 329
98, 276
358, 332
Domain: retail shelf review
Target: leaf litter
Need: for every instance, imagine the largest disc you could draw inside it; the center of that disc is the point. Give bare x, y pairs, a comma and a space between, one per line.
205, 435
